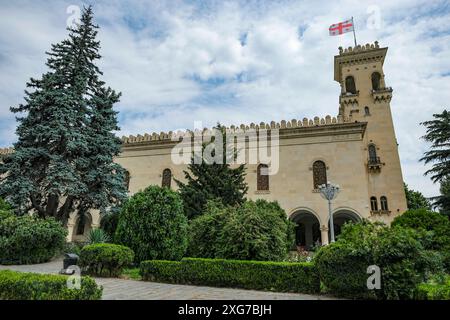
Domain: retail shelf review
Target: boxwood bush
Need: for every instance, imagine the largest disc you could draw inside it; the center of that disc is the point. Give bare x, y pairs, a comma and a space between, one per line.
255, 230
403, 261
32, 286
153, 224
105, 259
257, 275
28, 240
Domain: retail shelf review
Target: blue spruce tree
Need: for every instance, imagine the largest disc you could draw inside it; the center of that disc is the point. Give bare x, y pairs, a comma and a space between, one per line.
63, 159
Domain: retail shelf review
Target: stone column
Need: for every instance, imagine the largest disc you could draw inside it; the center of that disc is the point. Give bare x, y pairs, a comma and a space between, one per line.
324, 235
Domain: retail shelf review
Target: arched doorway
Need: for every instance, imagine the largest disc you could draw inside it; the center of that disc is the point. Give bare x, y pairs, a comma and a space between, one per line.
342, 216
307, 229
82, 227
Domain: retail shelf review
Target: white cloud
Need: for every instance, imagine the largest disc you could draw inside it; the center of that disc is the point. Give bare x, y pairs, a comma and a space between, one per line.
177, 62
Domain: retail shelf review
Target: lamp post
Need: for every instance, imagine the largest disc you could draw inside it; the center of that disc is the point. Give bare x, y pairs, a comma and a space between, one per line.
329, 192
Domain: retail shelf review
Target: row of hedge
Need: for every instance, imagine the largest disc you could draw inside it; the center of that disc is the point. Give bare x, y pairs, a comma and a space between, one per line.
32, 286
257, 275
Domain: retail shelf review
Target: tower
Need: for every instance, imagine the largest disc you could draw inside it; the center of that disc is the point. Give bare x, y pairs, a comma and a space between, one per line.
365, 97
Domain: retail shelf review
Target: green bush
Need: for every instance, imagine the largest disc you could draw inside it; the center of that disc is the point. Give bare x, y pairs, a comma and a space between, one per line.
28, 240
256, 230
343, 270
422, 219
403, 261
434, 290
100, 258
257, 275
153, 224
33, 286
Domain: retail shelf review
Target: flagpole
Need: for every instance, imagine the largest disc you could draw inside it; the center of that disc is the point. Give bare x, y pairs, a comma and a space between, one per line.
354, 34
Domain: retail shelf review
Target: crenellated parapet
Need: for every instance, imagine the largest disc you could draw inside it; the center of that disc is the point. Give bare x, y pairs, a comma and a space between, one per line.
359, 48
282, 125
5, 151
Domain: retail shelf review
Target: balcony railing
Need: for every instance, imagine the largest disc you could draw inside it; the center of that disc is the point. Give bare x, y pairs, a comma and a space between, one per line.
374, 163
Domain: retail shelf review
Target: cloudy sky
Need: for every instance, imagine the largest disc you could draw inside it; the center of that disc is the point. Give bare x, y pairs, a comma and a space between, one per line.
177, 62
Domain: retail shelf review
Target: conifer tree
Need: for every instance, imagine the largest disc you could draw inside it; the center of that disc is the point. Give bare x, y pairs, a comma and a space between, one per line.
212, 181
63, 159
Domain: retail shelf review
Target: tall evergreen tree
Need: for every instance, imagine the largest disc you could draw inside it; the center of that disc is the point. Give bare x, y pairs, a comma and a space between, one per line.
438, 133
212, 181
63, 159
442, 202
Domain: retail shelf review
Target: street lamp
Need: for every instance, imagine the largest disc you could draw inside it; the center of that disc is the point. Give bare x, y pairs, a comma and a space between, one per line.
329, 192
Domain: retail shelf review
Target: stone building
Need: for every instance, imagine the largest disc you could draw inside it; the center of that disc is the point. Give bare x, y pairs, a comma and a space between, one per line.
357, 149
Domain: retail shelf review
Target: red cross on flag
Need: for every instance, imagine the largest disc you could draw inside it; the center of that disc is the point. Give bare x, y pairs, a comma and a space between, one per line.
341, 27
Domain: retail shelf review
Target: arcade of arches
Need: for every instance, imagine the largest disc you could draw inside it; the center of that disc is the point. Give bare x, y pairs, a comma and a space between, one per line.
309, 232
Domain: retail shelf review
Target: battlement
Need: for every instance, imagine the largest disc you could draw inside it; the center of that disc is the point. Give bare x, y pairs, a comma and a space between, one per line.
359, 48
283, 124
4, 151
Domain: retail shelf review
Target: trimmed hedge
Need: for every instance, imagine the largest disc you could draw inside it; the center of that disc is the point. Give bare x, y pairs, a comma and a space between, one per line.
32, 286
29, 240
98, 258
257, 275
434, 291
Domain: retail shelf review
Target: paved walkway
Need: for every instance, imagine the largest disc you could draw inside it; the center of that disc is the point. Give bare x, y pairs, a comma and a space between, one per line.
120, 289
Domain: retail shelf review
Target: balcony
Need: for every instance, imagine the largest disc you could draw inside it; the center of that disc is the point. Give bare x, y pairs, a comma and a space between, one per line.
382, 94
380, 212
374, 164
348, 98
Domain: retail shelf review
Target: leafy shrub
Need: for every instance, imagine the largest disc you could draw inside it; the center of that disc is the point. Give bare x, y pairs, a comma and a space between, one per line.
257, 275
256, 230
109, 222
422, 219
343, 270
153, 224
28, 240
73, 247
403, 261
434, 290
97, 236
33, 286
96, 259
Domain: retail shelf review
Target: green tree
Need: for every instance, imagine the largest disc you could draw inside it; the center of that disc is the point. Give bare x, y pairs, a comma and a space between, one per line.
211, 181
63, 159
442, 202
415, 199
438, 133
153, 224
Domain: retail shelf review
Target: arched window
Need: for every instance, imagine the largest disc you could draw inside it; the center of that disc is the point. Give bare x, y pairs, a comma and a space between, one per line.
373, 204
262, 179
366, 111
350, 85
376, 77
319, 173
166, 178
384, 203
372, 153
127, 180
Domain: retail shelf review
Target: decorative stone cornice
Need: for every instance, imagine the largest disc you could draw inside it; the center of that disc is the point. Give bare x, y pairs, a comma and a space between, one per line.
382, 95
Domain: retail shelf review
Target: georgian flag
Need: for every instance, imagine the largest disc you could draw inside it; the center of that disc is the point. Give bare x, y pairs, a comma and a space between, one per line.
341, 27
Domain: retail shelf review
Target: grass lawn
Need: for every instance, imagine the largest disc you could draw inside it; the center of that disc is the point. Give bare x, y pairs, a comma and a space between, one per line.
131, 274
